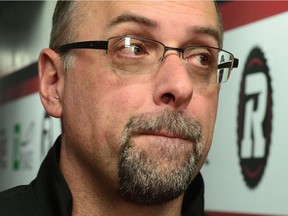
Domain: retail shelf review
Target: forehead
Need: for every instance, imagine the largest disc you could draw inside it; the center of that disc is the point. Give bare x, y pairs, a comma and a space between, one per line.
166, 17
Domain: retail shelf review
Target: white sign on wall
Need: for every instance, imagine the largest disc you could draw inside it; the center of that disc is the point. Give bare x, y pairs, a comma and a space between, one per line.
246, 170
26, 134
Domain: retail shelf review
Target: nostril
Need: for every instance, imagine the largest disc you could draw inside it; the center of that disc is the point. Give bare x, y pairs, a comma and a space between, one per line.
167, 97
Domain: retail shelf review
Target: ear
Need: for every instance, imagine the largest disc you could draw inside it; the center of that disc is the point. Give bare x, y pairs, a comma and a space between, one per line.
51, 81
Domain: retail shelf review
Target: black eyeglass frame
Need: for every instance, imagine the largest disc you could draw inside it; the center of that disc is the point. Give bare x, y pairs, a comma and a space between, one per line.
103, 45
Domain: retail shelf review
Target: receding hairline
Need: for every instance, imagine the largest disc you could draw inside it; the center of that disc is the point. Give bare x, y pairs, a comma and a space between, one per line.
130, 16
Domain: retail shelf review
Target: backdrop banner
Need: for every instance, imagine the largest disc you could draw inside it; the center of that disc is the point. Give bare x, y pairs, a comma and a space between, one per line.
246, 171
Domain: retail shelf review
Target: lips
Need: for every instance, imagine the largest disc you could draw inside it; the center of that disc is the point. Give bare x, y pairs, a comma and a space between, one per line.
164, 134
166, 124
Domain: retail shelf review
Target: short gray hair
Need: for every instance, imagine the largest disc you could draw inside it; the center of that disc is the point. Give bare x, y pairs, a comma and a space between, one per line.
62, 31
220, 24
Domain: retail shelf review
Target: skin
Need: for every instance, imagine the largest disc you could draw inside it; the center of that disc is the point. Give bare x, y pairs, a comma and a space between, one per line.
95, 103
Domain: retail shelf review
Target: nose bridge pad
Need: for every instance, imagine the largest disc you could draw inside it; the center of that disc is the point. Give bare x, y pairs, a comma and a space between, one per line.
180, 53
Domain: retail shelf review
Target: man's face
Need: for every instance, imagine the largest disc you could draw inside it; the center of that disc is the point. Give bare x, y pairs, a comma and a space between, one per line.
145, 135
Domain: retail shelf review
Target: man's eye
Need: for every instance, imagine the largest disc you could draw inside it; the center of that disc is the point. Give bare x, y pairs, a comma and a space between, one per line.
199, 60
138, 50
199, 57
204, 59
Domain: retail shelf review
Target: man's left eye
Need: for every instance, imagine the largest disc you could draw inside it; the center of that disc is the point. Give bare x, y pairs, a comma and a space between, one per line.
204, 59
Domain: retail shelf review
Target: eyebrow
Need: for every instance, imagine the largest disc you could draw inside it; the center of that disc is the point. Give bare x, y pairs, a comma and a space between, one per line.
207, 31
130, 17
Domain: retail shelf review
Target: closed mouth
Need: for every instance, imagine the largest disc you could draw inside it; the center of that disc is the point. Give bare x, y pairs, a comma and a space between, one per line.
163, 134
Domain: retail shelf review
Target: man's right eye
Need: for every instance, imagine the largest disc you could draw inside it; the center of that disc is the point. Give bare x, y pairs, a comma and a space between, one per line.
136, 50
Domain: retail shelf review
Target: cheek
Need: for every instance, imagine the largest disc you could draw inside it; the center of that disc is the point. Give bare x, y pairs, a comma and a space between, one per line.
205, 108
205, 104
109, 101
120, 104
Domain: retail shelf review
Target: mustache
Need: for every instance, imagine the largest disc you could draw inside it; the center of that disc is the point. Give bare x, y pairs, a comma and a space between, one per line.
175, 123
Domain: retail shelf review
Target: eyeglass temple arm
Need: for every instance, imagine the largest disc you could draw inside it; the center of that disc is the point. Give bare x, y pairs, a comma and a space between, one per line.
82, 45
235, 63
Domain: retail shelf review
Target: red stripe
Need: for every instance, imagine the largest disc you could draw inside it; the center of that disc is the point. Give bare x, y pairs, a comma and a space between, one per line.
20, 90
238, 13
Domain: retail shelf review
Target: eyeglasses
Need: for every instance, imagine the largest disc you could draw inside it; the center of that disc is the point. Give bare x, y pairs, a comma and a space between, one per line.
136, 55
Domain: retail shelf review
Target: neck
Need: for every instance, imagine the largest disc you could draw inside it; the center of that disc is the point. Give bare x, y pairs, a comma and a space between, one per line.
85, 206
97, 196
97, 200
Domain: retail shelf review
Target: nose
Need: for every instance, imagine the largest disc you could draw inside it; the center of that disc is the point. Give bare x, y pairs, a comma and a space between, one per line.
173, 85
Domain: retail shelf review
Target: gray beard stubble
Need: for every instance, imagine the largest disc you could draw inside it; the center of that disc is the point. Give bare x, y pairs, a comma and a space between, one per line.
144, 181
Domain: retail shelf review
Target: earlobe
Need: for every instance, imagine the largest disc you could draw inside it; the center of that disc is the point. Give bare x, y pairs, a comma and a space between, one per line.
51, 82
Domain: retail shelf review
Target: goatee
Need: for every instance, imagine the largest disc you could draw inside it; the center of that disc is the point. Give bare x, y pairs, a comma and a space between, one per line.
143, 179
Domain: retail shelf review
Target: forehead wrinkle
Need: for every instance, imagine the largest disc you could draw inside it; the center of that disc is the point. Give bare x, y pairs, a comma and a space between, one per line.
130, 17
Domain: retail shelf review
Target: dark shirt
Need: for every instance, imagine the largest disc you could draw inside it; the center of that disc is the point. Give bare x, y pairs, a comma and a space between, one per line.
49, 195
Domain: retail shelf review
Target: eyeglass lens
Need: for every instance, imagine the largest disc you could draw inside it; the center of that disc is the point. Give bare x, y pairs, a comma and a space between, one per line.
133, 55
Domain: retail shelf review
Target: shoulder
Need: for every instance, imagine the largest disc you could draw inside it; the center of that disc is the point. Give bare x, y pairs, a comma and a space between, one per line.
18, 201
